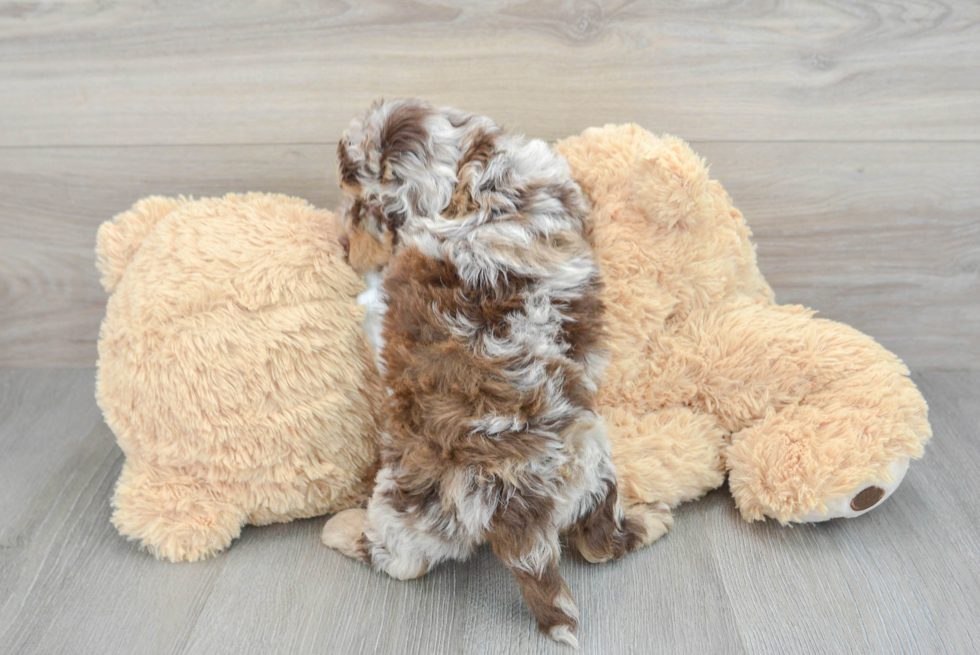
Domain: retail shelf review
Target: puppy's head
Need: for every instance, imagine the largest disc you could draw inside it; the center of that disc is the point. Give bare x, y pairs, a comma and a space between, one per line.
384, 164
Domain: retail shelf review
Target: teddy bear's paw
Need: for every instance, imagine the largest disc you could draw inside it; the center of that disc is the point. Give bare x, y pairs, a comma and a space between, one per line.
655, 518
345, 532
859, 500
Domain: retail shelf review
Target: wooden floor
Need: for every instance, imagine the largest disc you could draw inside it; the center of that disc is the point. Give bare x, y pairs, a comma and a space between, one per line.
903, 579
848, 133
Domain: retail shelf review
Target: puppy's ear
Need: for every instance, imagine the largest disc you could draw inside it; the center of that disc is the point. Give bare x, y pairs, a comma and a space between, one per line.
404, 138
478, 148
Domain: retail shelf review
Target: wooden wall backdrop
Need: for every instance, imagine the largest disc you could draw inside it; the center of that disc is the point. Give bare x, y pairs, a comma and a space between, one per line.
847, 132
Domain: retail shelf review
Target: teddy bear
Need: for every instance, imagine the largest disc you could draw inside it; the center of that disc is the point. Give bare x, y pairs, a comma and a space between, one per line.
708, 377
237, 376
233, 369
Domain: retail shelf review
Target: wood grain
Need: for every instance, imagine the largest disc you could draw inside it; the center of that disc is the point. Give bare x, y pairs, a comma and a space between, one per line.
905, 578
884, 236
847, 133
95, 72
61, 416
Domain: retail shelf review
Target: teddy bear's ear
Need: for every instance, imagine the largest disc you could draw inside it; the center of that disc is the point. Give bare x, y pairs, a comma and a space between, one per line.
120, 238
670, 182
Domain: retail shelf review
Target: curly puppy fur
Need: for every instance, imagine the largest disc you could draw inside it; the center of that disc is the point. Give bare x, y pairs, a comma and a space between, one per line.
491, 355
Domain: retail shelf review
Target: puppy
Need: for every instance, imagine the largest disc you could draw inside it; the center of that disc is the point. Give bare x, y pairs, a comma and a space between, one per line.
490, 352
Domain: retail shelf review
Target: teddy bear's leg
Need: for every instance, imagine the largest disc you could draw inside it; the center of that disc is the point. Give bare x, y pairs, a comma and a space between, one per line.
174, 517
823, 419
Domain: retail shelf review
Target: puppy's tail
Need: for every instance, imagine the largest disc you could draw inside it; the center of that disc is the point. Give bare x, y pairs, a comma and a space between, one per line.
531, 552
548, 598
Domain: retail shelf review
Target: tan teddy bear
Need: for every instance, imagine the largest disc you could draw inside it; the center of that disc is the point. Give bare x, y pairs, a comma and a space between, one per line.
232, 369
809, 418
239, 383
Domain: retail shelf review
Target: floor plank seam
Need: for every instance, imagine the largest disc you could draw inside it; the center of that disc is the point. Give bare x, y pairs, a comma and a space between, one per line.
693, 140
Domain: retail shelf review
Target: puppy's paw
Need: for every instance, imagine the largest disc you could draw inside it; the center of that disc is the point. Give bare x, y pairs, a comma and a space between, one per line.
345, 532
655, 518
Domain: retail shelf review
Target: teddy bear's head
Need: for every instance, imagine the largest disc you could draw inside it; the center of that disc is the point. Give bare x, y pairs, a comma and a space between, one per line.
231, 359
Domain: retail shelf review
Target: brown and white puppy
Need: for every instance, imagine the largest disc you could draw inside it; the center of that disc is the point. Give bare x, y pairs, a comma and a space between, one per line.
491, 355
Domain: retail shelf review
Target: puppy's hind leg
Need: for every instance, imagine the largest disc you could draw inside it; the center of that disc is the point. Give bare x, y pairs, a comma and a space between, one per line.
609, 532
404, 542
344, 532
525, 539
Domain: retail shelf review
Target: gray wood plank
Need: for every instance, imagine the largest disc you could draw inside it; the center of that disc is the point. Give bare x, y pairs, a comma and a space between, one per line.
885, 237
849, 135
95, 72
902, 579
45, 416
69, 583
905, 578
667, 598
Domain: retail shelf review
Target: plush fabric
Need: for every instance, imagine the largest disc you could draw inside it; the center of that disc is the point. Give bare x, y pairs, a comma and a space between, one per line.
708, 375
232, 369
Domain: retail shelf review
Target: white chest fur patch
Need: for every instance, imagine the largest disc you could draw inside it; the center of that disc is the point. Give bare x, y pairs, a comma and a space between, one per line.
375, 306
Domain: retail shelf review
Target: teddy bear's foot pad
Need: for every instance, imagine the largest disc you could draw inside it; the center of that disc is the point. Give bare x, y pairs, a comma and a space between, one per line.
863, 499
